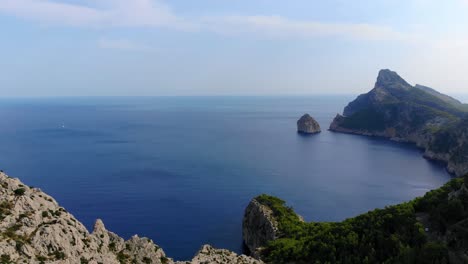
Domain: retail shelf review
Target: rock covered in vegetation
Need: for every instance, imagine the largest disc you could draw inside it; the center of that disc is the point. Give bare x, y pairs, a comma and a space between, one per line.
396, 110
430, 229
307, 125
450, 145
441, 96
261, 224
35, 229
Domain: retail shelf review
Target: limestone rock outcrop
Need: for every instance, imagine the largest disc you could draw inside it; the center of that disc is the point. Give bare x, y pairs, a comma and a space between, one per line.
208, 255
259, 227
35, 229
308, 125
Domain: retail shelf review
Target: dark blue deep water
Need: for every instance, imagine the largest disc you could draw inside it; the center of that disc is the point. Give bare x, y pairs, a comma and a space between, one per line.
181, 170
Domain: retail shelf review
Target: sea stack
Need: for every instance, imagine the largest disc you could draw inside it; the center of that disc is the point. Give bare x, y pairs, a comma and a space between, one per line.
307, 125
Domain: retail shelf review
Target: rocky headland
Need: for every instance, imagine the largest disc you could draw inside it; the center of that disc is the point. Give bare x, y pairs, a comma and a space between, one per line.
259, 227
418, 114
429, 229
308, 125
34, 228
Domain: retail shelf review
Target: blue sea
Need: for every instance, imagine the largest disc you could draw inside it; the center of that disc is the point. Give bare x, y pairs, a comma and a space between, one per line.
181, 170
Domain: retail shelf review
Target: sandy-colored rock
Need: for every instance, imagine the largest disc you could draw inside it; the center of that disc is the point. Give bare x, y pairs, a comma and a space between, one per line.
35, 229
208, 254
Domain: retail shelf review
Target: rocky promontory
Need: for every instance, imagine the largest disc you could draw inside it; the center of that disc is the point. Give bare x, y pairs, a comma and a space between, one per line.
429, 229
34, 228
417, 114
259, 227
261, 223
308, 125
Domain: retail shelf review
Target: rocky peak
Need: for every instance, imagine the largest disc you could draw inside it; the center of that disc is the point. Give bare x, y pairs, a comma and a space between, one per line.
99, 227
391, 79
389, 87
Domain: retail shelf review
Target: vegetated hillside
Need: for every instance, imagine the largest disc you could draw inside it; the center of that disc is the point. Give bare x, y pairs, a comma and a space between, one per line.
394, 109
442, 96
431, 229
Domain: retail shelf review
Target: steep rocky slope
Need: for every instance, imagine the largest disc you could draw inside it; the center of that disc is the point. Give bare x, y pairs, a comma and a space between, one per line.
396, 110
259, 227
446, 98
35, 229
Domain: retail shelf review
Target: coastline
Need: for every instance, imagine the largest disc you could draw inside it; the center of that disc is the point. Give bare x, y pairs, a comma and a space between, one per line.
426, 154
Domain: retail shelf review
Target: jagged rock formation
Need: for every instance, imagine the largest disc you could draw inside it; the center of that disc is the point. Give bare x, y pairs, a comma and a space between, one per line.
208, 255
396, 110
35, 229
307, 125
259, 227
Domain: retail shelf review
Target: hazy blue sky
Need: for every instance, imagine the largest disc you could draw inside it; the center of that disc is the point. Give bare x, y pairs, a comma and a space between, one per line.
219, 47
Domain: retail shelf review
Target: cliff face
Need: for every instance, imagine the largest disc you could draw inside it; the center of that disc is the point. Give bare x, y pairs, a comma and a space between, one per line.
259, 227
451, 146
35, 229
396, 110
264, 223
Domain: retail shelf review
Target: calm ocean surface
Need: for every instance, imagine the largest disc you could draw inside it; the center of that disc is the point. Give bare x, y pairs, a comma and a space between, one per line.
181, 170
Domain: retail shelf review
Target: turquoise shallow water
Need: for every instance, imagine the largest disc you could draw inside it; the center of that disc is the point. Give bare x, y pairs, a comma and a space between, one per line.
181, 170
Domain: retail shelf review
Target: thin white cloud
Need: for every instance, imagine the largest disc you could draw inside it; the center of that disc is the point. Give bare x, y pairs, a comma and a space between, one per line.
99, 13
277, 26
156, 13
122, 44
51, 12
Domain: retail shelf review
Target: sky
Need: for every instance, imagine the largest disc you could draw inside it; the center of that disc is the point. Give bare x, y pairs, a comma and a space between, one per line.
222, 47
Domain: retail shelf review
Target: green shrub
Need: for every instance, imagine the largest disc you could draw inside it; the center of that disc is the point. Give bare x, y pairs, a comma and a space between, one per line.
112, 246
122, 257
164, 260
59, 255
19, 191
5, 259
41, 259
5, 209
